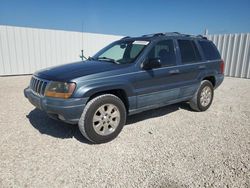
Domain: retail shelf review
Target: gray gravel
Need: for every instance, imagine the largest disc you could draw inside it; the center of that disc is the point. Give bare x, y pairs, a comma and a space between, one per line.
169, 147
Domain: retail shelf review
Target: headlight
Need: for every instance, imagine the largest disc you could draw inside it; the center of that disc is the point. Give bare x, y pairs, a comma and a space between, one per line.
60, 89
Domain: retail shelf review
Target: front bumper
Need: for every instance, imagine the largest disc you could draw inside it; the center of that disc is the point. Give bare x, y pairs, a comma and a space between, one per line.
67, 110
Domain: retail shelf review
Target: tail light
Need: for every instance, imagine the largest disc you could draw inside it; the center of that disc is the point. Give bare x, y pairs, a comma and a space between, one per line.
222, 67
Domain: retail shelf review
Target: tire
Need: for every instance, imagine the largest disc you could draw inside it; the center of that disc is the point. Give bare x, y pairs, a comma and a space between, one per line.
200, 104
99, 114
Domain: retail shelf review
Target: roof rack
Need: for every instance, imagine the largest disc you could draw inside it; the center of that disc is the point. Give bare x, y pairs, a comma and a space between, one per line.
162, 34
173, 34
178, 34
201, 36
125, 37
153, 35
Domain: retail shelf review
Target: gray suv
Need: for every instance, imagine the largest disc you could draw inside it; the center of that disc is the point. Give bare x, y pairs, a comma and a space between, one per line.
129, 76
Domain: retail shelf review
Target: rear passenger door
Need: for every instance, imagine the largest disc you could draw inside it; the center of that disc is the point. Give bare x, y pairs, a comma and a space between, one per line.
159, 85
190, 60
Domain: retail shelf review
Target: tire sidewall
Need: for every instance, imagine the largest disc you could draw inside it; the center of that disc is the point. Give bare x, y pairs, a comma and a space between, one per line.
88, 118
204, 84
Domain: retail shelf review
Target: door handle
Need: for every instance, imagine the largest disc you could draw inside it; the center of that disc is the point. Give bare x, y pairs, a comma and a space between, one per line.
175, 71
202, 67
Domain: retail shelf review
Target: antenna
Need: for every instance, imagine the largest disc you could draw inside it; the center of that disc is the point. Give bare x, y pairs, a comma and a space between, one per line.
82, 50
206, 31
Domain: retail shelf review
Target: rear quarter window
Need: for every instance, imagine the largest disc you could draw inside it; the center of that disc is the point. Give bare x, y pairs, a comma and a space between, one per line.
209, 50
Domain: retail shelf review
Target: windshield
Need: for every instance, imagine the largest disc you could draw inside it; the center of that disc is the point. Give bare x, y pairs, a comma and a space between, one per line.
121, 52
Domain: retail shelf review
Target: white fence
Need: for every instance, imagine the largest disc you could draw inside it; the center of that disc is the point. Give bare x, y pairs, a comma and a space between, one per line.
25, 50
235, 50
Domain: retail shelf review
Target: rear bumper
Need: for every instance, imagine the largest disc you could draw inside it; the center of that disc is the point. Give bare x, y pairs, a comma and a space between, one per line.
67, 110
219, 79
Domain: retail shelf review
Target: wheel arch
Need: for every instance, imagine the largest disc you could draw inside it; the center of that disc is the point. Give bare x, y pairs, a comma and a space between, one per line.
119, 92
211, 78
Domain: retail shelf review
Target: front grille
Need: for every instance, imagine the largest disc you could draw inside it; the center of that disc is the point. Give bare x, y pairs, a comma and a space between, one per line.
38, 85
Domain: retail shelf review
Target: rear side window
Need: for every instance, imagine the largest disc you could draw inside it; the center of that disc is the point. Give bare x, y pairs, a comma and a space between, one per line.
209, 50
189, 51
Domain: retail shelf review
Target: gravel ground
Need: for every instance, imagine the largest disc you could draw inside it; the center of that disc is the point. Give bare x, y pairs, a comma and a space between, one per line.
169, 147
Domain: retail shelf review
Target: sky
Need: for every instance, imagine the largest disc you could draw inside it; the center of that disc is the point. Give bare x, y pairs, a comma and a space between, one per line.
129, 17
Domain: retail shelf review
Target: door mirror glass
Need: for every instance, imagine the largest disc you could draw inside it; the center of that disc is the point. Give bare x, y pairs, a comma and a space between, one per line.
151, 63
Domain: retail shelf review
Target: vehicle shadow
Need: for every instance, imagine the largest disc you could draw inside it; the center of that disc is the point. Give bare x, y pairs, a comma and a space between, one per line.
157, 112
45, 125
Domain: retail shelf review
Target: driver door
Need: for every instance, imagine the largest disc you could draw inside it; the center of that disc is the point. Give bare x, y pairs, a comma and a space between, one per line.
159, 86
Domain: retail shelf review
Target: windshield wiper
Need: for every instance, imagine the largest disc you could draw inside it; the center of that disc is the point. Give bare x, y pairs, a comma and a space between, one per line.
91, 58
107, 59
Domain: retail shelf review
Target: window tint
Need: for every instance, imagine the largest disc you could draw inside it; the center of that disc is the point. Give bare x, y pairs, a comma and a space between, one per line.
116, 52
189, 51
209, 50
135, 50
122, 52
165, 51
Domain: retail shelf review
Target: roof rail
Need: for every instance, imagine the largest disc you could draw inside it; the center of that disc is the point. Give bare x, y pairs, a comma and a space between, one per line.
158, 34
173, 34
201, 36
125, 37
153, 35
162, 34
188, 35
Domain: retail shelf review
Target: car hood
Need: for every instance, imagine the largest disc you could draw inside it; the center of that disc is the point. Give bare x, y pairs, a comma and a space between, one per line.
78, 69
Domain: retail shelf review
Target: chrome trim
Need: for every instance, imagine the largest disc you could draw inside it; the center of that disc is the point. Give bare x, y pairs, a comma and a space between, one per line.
37, 84
40, 78
41, 89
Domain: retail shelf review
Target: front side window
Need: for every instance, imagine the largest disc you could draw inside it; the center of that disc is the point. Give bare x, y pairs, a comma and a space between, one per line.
189, 51
121, 52
164, 50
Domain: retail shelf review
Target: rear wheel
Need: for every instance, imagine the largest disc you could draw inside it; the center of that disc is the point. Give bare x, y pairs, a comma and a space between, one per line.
103, 118
203, 98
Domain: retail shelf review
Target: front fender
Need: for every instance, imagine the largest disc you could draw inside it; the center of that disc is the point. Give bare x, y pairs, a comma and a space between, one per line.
88, 90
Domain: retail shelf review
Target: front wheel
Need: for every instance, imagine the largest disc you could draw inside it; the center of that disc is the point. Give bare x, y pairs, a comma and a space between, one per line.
203, 98
103, 118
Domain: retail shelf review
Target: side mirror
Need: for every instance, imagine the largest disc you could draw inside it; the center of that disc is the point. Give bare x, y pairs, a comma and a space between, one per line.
122, 46
151, 63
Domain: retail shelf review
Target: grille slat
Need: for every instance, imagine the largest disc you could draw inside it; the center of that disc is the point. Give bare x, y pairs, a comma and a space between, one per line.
38, 85
33, 84
43, 88
40, 88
